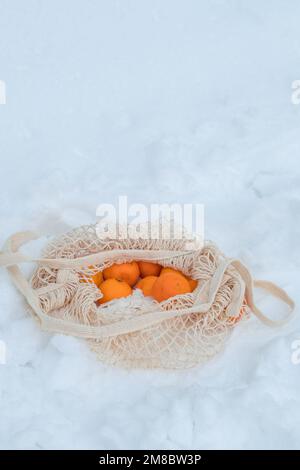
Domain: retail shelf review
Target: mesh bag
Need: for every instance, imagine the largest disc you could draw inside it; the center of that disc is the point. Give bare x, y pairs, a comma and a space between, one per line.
137, 331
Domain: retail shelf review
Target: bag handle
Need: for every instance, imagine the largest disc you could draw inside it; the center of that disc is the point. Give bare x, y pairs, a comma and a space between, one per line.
269, 287
10, 250
11, 255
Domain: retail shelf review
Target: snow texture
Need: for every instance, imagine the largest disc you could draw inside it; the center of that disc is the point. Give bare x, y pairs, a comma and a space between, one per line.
173, 101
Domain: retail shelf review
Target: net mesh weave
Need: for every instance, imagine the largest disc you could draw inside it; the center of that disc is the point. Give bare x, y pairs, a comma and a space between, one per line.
178, 342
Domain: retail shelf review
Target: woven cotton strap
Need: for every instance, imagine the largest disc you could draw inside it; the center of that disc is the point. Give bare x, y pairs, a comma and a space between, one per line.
268, 286
11, 257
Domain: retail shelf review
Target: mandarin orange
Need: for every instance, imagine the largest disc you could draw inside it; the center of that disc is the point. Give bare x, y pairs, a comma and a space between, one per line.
149, 269
114, 289
168, 285
146, 285
127, 272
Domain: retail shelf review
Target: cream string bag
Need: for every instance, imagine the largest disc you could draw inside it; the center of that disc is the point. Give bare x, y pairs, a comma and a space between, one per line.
137, 331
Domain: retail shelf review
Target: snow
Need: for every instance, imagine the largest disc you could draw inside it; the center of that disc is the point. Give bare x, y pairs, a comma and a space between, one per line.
164, 102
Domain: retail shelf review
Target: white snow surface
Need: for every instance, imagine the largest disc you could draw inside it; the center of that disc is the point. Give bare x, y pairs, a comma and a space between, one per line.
163, 101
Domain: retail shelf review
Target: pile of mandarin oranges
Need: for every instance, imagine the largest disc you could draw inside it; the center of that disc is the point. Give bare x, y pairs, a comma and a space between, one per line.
152, 279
